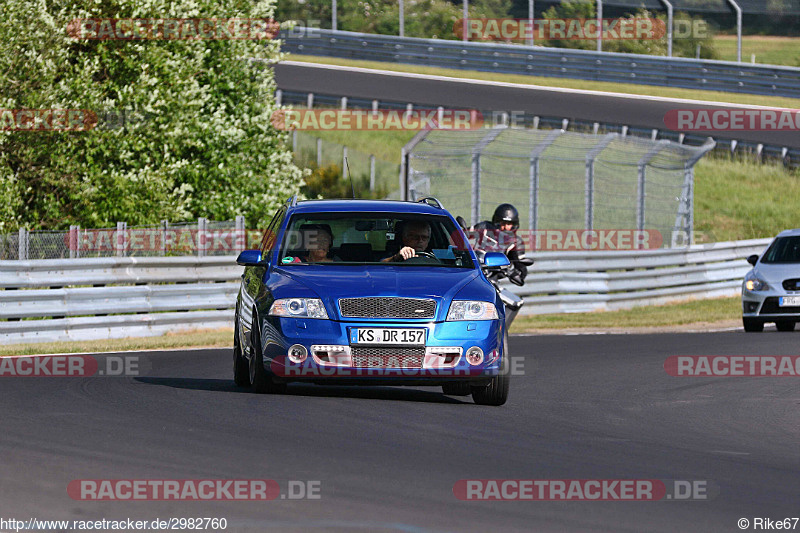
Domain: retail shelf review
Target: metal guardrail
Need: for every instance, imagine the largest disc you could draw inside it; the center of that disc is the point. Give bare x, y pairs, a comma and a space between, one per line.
115, 297
570, 282
552, 62
152, 296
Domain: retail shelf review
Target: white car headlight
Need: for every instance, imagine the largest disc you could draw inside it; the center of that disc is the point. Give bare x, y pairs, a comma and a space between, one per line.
754, 283
298, 307
471, 310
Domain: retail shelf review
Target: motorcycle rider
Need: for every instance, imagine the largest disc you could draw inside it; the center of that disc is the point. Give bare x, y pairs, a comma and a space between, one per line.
499, 235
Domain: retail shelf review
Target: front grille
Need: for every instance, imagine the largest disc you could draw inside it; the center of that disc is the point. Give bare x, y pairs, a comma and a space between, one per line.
771, 307
388, 307
791, 284
387, 357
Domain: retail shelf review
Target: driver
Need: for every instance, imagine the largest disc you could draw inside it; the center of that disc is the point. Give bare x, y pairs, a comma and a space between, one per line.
415, 236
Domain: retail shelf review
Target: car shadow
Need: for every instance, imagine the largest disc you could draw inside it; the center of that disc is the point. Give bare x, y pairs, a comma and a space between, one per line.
365, 392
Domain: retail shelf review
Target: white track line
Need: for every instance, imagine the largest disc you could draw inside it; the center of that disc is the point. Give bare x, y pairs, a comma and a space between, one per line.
526, 86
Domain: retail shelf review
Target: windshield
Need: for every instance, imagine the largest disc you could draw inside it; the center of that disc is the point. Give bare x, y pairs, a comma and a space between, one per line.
374, 239
783, 250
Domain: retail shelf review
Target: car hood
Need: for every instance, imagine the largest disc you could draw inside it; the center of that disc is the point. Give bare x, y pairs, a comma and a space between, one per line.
331, 282
777, 272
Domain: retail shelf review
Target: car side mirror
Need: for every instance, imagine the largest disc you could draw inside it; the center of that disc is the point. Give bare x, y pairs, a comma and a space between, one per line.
250, 258
495, 260
753, 259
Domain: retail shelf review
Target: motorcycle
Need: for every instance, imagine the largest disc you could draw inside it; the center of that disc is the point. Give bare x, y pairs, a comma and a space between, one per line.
512, 302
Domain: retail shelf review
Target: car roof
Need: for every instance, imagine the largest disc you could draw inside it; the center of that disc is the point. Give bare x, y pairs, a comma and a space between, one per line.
384, 206
790, 233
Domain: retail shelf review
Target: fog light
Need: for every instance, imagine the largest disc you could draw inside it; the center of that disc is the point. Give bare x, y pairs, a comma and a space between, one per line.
474, 356
297, 353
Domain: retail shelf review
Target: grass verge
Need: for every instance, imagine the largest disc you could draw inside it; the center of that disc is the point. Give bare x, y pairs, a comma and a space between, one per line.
695, 312
217, 338
769, 50
626, 88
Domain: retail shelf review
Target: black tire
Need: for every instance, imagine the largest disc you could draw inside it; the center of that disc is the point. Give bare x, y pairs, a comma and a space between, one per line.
752, 325
241, 372
496, 392
457, 389
260, 379
784, 326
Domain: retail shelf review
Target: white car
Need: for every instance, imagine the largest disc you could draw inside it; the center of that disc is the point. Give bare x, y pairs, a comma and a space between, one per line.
771, 290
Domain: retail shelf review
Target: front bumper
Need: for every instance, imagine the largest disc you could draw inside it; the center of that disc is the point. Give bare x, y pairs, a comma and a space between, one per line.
763, 305
332, 358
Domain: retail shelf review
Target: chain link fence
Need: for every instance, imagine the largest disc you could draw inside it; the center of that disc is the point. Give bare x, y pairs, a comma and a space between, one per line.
558, 180
201, 238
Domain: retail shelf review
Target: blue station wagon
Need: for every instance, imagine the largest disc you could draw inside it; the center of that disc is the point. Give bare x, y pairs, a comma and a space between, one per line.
370, 292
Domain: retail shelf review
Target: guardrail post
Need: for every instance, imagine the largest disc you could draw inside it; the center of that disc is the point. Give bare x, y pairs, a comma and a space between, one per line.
278, 97
344, 103
536, 120
310, 101
121, 238
239, 239
374, 106
371, 172
202, 224
22, 250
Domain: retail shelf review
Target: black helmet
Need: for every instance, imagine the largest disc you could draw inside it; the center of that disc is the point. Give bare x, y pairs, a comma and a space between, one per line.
504, 214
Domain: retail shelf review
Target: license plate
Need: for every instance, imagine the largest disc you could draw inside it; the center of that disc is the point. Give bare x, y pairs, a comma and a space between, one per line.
415, 337
789, 301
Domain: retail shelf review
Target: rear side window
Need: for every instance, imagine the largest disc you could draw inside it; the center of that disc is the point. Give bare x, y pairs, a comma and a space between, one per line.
783, 250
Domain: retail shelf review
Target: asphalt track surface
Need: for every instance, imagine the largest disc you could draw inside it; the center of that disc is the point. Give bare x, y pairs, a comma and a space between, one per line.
647, 112
587, 407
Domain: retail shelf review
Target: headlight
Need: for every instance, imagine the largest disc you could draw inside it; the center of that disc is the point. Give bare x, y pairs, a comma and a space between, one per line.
471, 310
298, 307
754, 283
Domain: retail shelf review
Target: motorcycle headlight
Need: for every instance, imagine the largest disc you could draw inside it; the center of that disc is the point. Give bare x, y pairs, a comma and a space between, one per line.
754, 283
471, 310
298, 307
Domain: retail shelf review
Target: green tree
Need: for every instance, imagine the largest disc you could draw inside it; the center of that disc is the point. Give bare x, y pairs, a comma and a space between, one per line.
202, 145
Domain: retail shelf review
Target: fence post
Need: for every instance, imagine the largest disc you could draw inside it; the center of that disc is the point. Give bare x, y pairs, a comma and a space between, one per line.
642, 182
240, 238
164, 233
476, 172
77, 241
590, 158
319, 152
202, 223
22, 252
533, 194
73, 241
371, 172
121, 238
